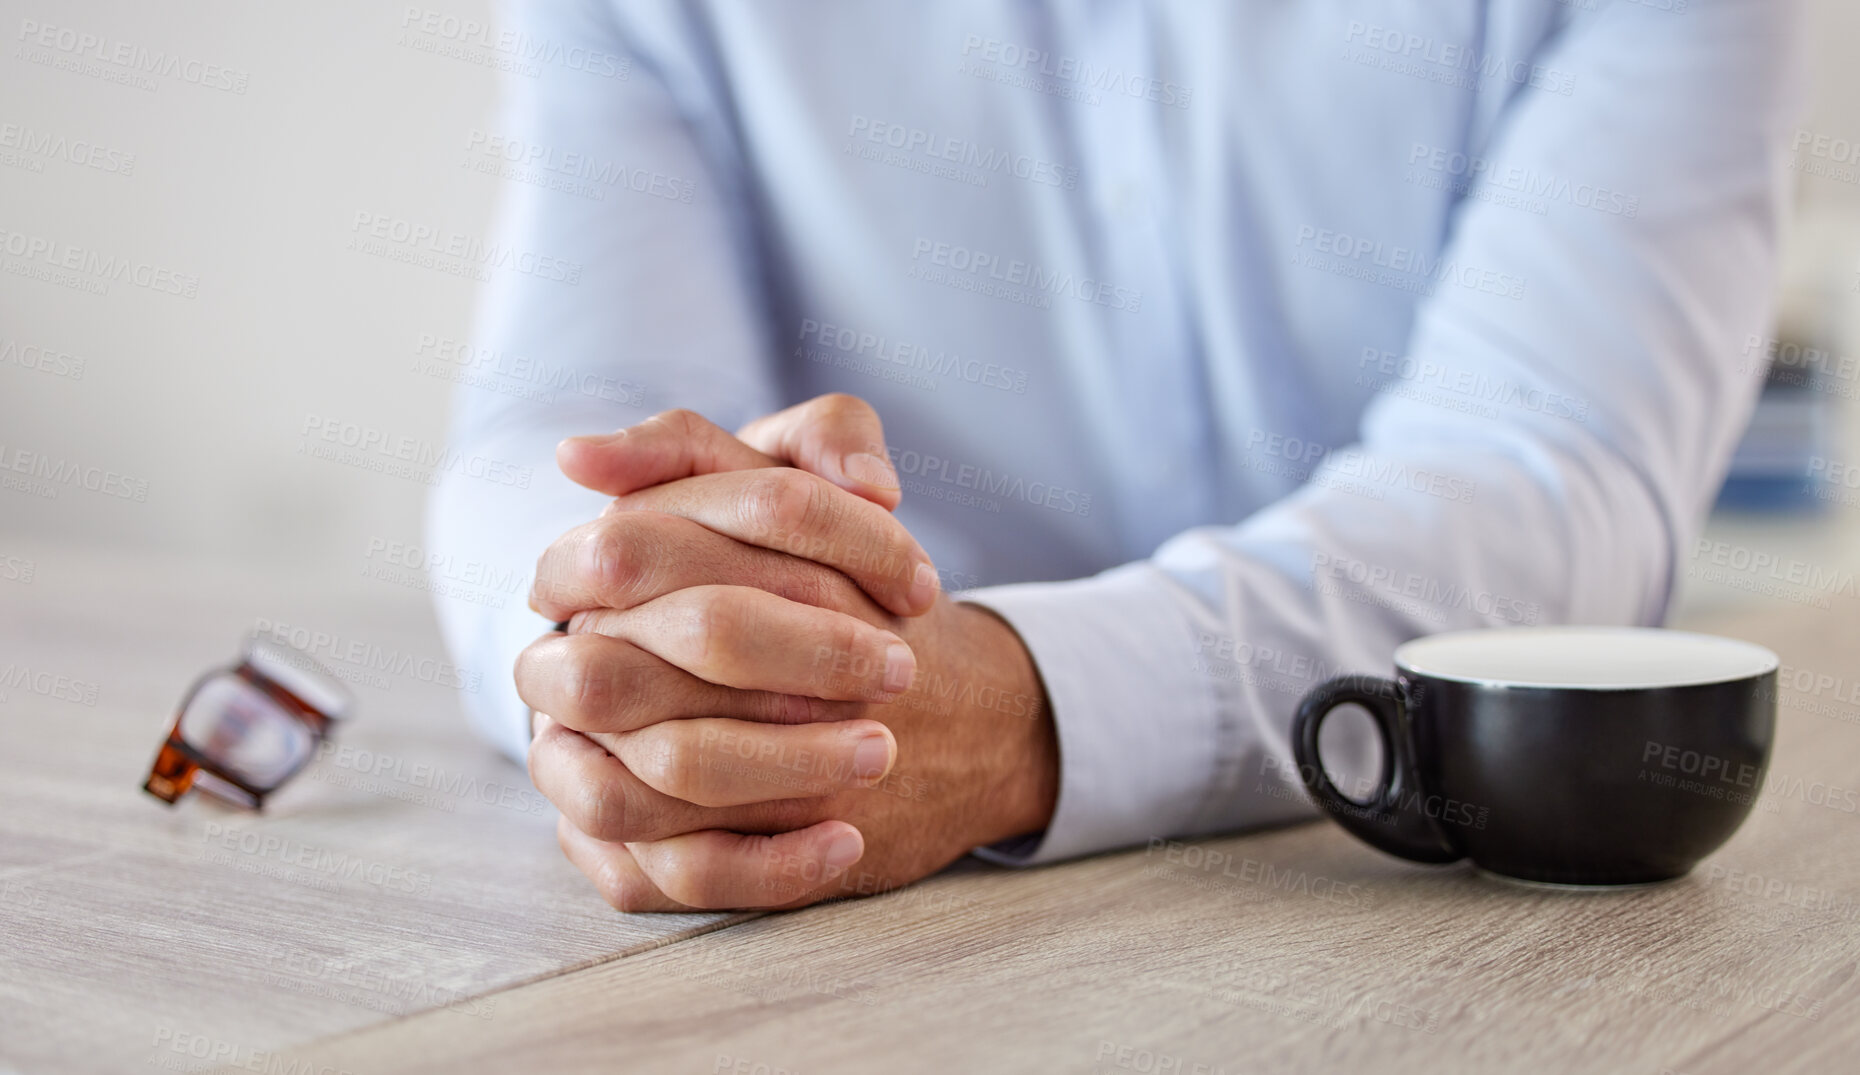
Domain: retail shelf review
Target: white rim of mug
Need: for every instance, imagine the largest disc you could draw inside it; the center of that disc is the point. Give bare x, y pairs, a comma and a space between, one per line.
1402, 664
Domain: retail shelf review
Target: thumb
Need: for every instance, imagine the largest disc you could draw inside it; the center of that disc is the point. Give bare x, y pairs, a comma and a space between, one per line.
835, 436
663, 448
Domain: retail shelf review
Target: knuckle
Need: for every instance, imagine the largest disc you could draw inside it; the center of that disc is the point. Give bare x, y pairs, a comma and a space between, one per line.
588, 688
681, 420
586, 808
844, 405
614, 559
892, 551
691, 882
784, 501
673, 762
708, 621
602, 811
849, 640
524, 671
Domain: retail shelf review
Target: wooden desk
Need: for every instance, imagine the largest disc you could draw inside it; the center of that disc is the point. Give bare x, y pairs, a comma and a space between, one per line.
370, 887
1294, 950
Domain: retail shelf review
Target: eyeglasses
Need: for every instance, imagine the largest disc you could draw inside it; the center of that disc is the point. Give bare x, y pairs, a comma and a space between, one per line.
245, 730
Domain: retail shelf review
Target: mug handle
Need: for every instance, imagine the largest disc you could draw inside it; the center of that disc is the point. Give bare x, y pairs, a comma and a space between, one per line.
1390, 820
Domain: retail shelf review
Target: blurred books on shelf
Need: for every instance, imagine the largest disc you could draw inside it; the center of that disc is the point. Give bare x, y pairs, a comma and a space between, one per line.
1794, 432
1804, 428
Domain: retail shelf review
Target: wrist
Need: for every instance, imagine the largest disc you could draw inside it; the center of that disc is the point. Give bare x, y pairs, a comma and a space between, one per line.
1025, 773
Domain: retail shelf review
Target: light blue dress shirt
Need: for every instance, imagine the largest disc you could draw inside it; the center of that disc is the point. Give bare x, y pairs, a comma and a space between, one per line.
1221, 347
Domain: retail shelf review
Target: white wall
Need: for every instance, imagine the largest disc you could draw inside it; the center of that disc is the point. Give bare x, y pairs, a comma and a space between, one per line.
256, 193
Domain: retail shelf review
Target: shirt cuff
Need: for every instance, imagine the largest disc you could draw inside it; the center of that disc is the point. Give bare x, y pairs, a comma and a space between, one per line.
1137, 728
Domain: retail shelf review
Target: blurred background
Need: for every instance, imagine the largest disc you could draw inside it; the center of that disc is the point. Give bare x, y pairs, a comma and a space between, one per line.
234, 187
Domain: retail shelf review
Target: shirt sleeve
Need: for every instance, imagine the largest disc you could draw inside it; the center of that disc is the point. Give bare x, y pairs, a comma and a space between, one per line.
610, 168
1173, 681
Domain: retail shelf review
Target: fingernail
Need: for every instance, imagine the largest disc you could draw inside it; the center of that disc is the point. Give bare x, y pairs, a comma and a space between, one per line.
845, 850
874, 470
591, 438
900, 667
872, 757
923, 586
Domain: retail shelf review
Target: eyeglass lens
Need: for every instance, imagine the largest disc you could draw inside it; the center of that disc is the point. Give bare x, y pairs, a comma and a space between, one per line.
245, 732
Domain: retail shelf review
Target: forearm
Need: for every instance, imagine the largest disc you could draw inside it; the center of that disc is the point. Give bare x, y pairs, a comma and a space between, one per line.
1470, 501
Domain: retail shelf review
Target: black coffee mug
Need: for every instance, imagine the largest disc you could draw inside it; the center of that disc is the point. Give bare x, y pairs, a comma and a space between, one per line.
1566, 755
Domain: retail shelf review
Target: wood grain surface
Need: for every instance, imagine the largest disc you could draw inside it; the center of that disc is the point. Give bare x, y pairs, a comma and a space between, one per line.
1293, 950
410, 868
137, 937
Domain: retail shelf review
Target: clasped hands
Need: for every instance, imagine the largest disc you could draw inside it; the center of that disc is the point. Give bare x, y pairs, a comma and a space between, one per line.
763, 698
